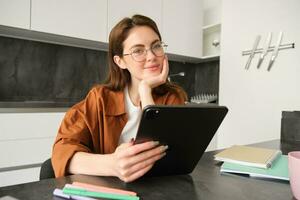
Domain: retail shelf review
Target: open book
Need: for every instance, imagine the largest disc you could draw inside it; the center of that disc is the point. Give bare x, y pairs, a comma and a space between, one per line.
249, 156
279, 170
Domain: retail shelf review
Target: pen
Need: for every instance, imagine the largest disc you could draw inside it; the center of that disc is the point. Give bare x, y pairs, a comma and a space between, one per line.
83, 192
97, 188
59, 193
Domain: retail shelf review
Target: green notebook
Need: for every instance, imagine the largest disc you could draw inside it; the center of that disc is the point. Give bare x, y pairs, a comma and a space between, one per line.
279, 169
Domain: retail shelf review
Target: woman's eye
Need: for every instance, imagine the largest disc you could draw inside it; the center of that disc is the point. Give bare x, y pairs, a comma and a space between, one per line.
156, 46
138, 51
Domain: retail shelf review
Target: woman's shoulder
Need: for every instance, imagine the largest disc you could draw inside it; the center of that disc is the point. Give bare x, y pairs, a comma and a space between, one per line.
178, 91
170, 94
106, 95
102, 90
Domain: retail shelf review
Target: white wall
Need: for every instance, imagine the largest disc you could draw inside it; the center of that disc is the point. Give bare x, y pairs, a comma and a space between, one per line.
255, 98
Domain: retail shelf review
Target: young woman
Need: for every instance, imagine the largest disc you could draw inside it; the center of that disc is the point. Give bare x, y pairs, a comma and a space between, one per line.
96, 135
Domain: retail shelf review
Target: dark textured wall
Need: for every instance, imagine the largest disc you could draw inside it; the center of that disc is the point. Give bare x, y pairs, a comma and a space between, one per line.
34, 71
207, 78
42, 72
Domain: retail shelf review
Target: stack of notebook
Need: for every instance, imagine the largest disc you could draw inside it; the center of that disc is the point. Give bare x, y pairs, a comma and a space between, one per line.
254, 161
84, 191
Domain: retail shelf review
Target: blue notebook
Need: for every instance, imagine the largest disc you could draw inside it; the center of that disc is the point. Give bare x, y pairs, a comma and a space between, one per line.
279, 169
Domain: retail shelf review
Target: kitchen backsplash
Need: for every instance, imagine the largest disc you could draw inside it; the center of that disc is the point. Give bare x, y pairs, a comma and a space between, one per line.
37, 72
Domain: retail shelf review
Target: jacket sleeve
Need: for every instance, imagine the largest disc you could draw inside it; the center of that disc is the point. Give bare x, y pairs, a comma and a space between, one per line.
75, 133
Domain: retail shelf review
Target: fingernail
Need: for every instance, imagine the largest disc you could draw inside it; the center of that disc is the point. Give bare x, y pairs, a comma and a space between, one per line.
163, 154
166, 147
156, 143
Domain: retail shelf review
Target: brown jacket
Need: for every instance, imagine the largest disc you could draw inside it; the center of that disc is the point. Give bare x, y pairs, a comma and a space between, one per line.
94, 125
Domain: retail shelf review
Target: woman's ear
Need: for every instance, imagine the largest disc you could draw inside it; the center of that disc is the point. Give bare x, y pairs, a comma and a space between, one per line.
120, 62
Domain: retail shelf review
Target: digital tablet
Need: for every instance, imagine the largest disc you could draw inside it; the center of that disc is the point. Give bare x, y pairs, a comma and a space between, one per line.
186, 129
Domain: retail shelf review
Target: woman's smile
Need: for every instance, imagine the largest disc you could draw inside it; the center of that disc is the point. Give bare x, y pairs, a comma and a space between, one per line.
154, 67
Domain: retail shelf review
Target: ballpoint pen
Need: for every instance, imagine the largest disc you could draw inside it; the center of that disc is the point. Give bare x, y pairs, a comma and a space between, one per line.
275, 52
265, 50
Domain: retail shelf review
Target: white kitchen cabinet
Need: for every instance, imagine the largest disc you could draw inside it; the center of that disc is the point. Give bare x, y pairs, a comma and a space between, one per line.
15, 13
25, 151
27, 137
80, 19
26, 140
88, 23
20, 176
182, 27
118, 9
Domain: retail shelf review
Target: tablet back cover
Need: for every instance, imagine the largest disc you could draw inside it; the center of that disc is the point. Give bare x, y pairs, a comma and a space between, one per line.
186, 129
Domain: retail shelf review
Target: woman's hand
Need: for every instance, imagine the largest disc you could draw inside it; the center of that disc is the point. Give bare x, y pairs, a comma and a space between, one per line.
146, 85
132, 161
155, 81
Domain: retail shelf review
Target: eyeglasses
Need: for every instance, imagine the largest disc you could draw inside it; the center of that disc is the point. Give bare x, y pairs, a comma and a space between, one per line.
139, 54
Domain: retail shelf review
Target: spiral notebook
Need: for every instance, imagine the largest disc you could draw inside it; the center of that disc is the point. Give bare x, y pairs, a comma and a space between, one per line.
249, 156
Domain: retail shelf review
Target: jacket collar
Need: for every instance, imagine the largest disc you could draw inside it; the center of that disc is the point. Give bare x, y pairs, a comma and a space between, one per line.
116, 103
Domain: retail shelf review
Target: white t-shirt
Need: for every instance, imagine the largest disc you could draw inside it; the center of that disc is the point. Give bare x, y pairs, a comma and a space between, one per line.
134, 115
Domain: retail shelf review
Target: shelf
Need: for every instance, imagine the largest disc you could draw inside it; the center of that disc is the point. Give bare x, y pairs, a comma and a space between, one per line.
210, 58
215, 56
211, 28
211, 41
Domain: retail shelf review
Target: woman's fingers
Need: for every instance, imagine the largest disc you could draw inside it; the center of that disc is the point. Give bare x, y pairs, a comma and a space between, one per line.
126, 162
141, 168
147, 155
141, 165
165, 69
162, 78
137, 174
155, 81
124, 145
137, 148
131, 161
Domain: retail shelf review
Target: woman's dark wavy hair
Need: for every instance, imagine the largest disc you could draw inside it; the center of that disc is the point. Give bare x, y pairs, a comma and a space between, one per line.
118, 78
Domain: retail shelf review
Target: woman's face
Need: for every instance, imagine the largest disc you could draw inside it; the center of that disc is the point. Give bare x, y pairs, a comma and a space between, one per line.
141, 67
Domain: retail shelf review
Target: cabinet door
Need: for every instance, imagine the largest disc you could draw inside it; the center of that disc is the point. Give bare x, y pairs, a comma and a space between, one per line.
15, 13
182, 27
118, 9
79, 19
